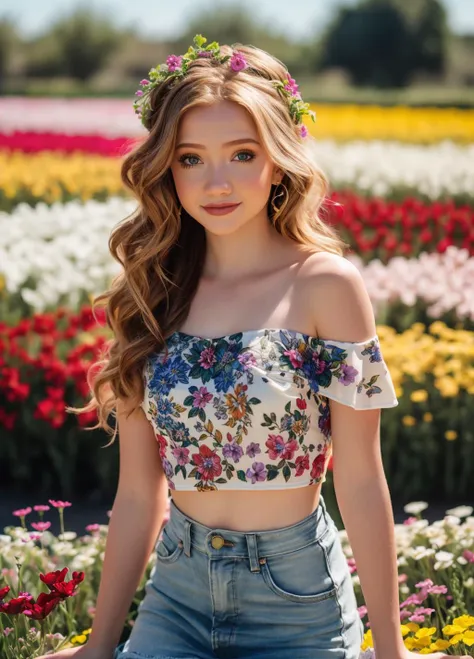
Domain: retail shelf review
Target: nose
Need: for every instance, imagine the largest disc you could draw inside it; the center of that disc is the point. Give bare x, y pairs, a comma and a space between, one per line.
218, 183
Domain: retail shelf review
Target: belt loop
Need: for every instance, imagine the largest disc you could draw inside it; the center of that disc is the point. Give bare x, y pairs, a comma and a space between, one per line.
253, 552
187, 538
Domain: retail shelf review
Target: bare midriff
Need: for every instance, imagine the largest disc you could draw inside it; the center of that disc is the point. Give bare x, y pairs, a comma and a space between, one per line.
245, 511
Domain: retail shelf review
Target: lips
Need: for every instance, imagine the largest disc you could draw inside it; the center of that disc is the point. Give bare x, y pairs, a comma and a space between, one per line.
221, 205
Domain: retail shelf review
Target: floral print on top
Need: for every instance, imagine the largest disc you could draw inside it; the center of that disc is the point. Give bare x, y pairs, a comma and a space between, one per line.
250, 410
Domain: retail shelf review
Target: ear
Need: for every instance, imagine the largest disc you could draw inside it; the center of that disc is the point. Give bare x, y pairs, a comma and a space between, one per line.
277, 177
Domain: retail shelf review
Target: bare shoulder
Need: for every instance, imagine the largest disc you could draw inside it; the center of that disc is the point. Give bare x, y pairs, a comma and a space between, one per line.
338, 298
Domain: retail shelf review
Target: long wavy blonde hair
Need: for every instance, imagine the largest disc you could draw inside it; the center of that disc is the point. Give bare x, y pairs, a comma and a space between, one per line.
161, 250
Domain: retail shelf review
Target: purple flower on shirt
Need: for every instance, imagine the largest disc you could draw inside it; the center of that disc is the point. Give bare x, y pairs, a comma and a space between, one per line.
233, 451
181, 455
348, 374
201, 397
257, 472
253, 449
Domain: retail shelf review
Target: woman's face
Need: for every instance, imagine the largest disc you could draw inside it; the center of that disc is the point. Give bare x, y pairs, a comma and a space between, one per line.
208, 170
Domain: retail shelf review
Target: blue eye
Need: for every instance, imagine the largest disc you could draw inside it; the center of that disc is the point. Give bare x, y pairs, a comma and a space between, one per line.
189, 156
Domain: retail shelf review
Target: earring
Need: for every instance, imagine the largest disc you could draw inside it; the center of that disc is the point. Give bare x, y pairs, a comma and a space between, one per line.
277, 210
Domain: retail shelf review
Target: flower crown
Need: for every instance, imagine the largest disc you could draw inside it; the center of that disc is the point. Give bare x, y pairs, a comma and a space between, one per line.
177, 66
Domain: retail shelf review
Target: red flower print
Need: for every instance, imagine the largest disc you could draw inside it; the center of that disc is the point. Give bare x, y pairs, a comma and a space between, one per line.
208, 463
301, 403
317, 468
302, 463
279, 449
163, 445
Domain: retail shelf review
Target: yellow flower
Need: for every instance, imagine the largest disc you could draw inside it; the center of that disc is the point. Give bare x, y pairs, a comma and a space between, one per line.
440, 644
465, 621
428, 417
451, 435
451, 630
408, 420
419, 396
425, 632
412, 626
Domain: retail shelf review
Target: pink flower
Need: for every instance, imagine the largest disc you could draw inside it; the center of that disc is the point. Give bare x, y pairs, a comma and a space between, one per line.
207, 358
417, 618
41, 526
181, 455
291, 86
144, 82
410, 521
22, 512
362, 611
296, 359
205, 53
351, 565
41, 508
174, 62
237, 62
303, 131
139, 93
438, 590
427, 583
468, 555
59, 504
93, 528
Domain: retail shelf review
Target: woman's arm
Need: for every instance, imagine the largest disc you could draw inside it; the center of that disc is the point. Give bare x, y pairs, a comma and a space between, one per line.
136, 520
344, 313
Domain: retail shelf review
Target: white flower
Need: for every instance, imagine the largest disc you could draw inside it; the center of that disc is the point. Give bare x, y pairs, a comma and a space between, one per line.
418, 553
415, 507
460, 511
67, 535
444, 559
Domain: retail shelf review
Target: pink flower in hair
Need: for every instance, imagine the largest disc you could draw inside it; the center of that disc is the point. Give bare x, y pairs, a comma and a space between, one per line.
303, 131
144, 82
174, 62
237, 62
205, 53
291, 86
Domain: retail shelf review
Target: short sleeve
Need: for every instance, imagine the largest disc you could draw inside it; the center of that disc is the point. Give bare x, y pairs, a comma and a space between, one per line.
354, 374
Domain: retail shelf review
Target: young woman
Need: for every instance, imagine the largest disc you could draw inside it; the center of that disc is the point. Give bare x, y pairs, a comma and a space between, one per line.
245, 355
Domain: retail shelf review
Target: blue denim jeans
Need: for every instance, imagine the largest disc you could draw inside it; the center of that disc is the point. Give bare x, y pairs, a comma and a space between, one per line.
283, 594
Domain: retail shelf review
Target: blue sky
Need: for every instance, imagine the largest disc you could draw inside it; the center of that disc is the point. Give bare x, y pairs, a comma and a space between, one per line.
166, 19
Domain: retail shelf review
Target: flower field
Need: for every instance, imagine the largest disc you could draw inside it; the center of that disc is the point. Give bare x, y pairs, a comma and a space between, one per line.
402, 182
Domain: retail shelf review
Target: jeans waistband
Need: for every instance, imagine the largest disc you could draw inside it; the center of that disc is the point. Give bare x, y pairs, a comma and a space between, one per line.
221, 543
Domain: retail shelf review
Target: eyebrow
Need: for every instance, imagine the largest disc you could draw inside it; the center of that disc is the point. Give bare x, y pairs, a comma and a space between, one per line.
244, 140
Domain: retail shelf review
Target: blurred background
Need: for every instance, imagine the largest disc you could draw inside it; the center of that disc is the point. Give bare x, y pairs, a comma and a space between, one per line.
392, 85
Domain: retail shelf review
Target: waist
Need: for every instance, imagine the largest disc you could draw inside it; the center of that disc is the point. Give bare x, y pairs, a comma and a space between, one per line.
242, 510
282, 540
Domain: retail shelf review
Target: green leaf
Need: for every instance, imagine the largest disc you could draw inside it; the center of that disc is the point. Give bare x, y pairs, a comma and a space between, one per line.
241, 475
286, 473
199, 40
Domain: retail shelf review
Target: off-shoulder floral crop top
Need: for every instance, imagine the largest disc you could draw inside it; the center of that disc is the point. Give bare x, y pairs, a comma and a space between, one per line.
250, 410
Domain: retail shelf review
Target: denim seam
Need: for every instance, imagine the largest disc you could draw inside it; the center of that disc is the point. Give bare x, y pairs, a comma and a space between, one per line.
336, 586
233, 634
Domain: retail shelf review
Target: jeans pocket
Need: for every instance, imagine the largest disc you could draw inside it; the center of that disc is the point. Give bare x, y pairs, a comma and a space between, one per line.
300, 576
169, 548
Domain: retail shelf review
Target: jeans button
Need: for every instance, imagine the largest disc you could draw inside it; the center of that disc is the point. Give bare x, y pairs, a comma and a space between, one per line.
217, 541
